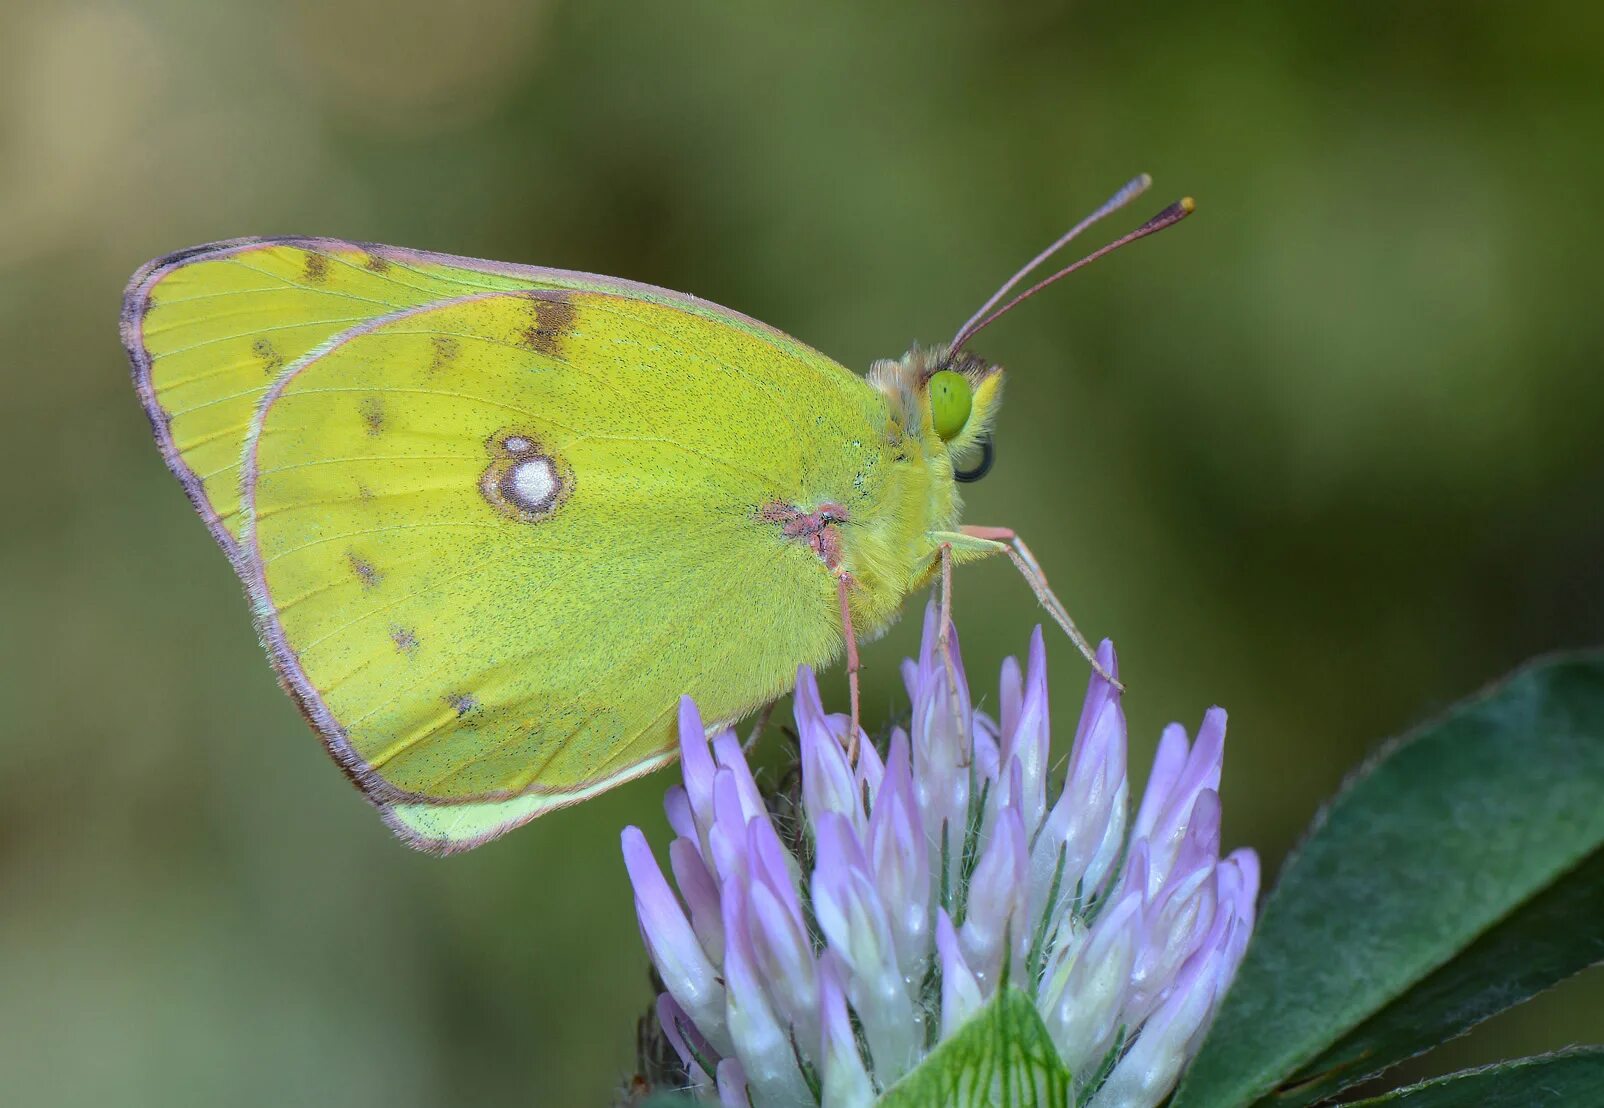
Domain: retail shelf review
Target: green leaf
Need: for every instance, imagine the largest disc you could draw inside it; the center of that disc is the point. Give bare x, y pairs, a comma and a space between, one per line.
1002, 1057
1572, 1078
1553, 935
1454, 835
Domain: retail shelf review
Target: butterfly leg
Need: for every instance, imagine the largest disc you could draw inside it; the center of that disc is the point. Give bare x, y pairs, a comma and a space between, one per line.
1018, 553
843, 583
759, 725
944, 632
944, 612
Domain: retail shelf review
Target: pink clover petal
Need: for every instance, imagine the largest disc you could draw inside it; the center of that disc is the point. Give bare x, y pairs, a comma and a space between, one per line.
732, 1084
785, 960
684, 966
760, 1040
996, 900
696, 764
1168, 761
900, 862
1087, 1016
1010, 695
771, 864
1026, 739
682, 1035
677, 807
845, 1080
960, 990
827, 782
870, 771
1149, 1069
728, 754
726, 839
1201, 772
1098, 690
700, 893
851, 916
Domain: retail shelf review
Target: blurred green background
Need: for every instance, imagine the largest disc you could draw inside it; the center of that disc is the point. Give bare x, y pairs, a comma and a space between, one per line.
1329, 454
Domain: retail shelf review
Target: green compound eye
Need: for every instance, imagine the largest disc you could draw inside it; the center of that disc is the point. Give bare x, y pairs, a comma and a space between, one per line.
949, 402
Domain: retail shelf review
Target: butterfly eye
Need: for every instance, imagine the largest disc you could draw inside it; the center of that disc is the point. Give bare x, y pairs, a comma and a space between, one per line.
950, 400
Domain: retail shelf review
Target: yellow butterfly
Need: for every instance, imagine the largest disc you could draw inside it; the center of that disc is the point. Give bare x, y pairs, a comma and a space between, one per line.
495, 520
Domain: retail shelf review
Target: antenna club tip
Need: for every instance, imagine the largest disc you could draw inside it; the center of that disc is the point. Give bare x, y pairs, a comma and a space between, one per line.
1187, 204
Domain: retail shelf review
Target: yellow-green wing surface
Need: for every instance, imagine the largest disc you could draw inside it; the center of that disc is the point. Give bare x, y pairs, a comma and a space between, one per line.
494, 521
209, 329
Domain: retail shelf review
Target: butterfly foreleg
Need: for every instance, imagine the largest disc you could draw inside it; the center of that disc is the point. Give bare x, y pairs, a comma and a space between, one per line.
944, 613
1002, 540
948, 549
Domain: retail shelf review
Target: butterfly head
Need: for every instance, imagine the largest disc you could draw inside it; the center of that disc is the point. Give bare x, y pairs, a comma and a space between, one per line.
948, 399
951, 395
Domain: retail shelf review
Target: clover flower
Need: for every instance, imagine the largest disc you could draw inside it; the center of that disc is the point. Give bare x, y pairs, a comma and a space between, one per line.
823, 944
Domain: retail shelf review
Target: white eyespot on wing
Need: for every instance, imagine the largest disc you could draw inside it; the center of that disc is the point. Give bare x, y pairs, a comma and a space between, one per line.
532, 484
524, 480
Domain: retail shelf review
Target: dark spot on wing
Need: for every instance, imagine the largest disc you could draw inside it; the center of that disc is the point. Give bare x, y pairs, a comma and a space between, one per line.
553, 316
364, 571
363, 493
376, 263
272, 360
317, 269
446, 349
373, 414
463, 703
190, 253
405, 641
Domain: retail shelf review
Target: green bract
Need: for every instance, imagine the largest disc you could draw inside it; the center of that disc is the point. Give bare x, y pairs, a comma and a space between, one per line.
1003, 1055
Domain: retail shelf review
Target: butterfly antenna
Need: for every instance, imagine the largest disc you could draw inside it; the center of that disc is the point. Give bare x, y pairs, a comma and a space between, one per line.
1166, 218
1128, 192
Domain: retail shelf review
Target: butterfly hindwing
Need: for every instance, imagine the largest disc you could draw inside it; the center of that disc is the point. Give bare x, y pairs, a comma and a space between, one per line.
210, 329
460, 562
